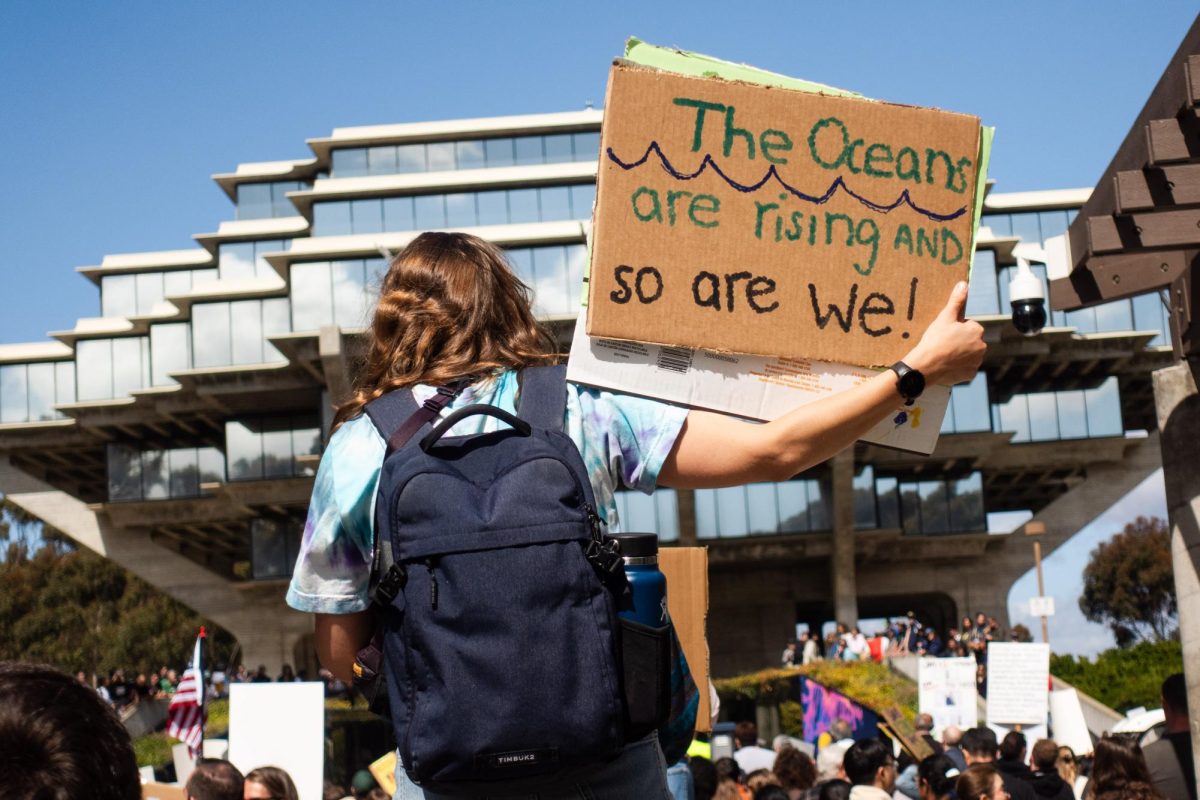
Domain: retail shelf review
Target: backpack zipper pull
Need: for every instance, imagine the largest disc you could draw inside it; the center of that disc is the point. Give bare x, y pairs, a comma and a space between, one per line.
433, 587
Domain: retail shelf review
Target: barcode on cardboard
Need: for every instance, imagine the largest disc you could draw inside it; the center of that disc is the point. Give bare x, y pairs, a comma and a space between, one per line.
675, 359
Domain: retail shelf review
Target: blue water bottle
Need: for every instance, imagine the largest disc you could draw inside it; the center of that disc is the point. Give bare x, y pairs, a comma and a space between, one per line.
648, 585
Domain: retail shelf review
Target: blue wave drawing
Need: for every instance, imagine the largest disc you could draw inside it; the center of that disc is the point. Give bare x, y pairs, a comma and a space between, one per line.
903, 200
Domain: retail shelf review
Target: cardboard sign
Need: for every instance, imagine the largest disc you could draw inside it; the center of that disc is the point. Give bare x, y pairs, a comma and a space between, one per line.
163, 791
766, 220
686, 570
895, 725
755, 387
1018, 683
280, 725
947, 692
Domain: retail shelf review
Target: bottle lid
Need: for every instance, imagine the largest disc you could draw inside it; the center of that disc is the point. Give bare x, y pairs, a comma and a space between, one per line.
637, 545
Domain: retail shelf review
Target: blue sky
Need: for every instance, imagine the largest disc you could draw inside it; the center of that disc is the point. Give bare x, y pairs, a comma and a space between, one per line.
114, 115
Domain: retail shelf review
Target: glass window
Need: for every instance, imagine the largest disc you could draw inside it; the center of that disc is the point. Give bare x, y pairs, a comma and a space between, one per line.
1027, 226
499, 152
970, 405
155, 475
1072, 415
460, 210
558, 148
64, 383
349, 162
586, 145
41, 392
555, 203
149, 291
864, 498
170, 351
381, 160
522, 263
1000, 224
935, 513
983, 297
185, 473
1053, 223
910, 508
731, 511
261, 268
274, 544
469, 154
551, 297
210, 335
306, 441
887, 500
1114, 316
1043, 416
281, 205
576, 264
1148, 316
706, 511
1014, 417
236, 261
332, 219
1104, 409
118, 295
430, 211
93, 359
310, 296
820, 505
254, 201
212, 465
245, 317
243, 449
529, 150
127, 365
278, 461
349, 293
124, 473
366, 216
439, 156
966, 504
492, 207
523, 205
793, 507
275, 321
410, 158
583, 197
14, 393
398, 214
177, 283
761, 508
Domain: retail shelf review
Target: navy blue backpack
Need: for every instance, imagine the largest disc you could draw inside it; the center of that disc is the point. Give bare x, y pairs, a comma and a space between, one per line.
499, 630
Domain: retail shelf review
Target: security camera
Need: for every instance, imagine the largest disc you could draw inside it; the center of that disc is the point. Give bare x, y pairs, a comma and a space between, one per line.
1027, 295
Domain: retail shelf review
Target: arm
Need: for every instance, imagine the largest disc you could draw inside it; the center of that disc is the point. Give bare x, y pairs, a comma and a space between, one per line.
714, 450
338, 638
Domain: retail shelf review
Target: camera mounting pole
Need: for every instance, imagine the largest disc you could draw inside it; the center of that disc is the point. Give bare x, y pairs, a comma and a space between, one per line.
1140, 232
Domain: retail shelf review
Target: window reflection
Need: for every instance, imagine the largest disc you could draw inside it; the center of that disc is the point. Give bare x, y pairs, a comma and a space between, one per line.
274, 545
161, 474
226, 334
260, 448
267, 200
933, 507
111, 368
762, 509
1068, 414
506, 151
656, 513
170, 351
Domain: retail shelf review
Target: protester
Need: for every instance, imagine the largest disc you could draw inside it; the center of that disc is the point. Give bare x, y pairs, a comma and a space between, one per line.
760, 778
979, 747
871, 769
834, 790
269, 783
749, 755
797, 773
679, 781
771, 791
1067, 765
58, 739
704, 777
981, 782
830, 761
1170, 759
452, 309
935, 778
261, 675
1044, 778
214, 779
951, 738
789, 658
361, 783
1012, 761
331, 791
810, 652
729, 781
1119, 772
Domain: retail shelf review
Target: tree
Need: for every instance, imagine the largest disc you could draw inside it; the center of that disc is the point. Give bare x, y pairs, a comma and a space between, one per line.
1128, 584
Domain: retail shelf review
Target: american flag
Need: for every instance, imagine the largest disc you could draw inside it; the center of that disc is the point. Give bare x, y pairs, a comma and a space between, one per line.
186, 714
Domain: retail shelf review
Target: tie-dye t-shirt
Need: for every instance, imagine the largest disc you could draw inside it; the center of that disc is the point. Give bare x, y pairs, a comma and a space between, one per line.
623, 440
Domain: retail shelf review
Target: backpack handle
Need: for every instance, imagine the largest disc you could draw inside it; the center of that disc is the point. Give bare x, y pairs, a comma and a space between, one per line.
519, 425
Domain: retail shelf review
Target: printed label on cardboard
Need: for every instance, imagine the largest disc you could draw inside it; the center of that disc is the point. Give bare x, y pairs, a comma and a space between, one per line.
755, 219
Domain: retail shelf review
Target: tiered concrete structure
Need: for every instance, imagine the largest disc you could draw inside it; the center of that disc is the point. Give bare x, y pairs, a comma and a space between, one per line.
178, 433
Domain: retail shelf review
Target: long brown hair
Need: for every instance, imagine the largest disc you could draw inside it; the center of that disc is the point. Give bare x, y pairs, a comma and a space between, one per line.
976, 782
1119, 771
449, 307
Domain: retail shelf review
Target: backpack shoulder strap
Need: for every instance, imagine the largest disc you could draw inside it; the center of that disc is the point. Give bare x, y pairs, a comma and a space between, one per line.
397, 416
543, 400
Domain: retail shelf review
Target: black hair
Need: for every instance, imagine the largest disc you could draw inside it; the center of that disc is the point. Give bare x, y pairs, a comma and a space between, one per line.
59, 739
864, 759
1174, 693
704, 777
1013, 745
772, 791
979, 742
215, 779
940, 773
834, 790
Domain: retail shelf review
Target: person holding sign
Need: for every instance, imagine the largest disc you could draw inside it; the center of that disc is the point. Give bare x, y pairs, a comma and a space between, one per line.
451, 309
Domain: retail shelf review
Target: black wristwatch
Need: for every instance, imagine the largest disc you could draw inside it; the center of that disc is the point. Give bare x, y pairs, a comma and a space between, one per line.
911, 383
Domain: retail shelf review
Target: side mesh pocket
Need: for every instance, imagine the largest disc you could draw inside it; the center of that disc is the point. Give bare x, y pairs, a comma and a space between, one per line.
646, 676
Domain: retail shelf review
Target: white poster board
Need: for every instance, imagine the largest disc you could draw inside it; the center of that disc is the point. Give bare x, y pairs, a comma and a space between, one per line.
947, 692
280, 725
1018, 683
1041, 606
1070, 727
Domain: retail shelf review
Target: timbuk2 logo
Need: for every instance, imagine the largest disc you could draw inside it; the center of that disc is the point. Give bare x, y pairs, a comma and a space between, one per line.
516, 758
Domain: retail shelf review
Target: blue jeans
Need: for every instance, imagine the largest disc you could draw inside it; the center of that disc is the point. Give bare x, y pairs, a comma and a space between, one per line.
639, 772
679, 781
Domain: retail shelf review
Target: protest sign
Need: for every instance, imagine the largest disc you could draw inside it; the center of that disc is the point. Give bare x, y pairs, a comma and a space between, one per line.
766, 220
897, 726
1070, 726
1018, 683
946, 691
280, 725
686, 571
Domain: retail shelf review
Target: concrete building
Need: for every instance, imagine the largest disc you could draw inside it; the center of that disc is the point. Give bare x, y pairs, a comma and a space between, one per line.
178, 432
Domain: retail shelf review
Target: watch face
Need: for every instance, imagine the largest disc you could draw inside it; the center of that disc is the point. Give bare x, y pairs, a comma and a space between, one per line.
912, 384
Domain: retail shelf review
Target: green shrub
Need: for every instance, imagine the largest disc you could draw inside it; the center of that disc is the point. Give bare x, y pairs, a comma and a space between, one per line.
1122, 678
871, 685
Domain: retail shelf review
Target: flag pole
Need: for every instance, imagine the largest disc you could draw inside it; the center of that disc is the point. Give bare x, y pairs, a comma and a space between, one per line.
203, 692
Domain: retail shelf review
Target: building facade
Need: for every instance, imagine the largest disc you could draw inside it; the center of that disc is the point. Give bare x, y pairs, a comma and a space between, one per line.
179, 431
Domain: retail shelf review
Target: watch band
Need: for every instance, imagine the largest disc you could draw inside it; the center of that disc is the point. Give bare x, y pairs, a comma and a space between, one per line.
910, 382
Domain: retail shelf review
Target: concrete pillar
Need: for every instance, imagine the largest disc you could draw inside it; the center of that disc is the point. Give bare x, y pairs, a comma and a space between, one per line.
1178, 407
845, 581
685, 501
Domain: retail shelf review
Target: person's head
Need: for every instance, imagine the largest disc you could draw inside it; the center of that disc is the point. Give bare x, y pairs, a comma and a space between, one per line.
727, 770
1067, 764
924, 723
287, 673
980, 782
1119, 766
951, 735
59, 739
836, 789
935, 777
1175, 704
1012, 748
450, 306
214, 779
771, 791
966, 622
704, 777
840, 729
760, 778
1044, 756
269, 783
979, 745
981, 619
804, 636
794, 769
830, 762
869, 762
746, 733
331, 791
